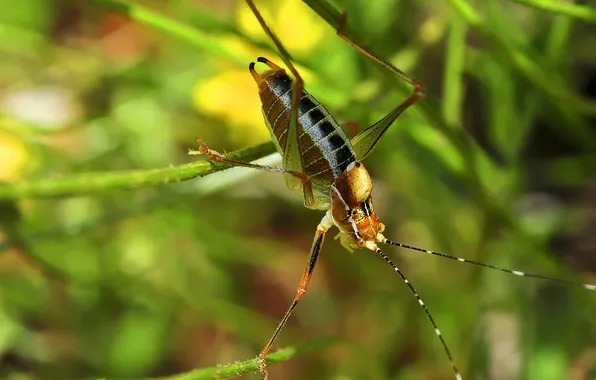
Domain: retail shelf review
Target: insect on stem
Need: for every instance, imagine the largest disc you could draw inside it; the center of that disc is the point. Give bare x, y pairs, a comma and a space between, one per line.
324, 166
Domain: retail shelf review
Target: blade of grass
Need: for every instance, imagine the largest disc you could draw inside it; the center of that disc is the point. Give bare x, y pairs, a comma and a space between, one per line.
557, 39
92, 182
568, 104
204, 19
556, 42
454, 68
174, 29
523, 63
561, 8
504, 93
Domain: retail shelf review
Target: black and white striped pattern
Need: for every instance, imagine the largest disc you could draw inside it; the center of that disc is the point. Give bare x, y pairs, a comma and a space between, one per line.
318, 124
428, 315
510, 271
462, 260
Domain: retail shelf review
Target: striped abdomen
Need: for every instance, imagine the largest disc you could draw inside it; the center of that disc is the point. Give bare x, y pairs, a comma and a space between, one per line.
326, 150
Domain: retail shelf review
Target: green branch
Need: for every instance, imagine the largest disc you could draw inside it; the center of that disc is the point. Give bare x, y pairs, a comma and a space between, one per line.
454, 70
252, 365
560, 96
92, 182
175, 29
562, 8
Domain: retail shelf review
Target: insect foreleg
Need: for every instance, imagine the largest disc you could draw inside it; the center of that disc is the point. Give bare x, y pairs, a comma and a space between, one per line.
325, 224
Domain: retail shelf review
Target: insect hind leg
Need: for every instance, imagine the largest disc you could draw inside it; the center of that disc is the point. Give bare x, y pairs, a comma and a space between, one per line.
341, 32
368, 138
322, 229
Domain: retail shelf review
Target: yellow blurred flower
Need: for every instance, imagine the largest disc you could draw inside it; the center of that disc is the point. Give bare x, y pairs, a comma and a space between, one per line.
13, 156
232, 95
298, 28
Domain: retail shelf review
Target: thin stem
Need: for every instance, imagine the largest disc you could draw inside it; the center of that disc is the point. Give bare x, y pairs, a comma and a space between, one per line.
174, 28
559, 94
453, 83
252, 365
562, 8
93, 182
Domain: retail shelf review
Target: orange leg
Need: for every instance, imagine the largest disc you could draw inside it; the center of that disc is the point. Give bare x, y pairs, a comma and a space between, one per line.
325, 224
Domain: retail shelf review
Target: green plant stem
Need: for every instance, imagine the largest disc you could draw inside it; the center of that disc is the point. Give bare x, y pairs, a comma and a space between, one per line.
454, 68
92, 182
524, 64
252, 365
562, 8
556, 48
567, 102
174, 29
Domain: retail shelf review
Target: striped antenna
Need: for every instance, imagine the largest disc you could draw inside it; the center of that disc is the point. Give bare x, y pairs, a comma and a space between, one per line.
428, 315
510, 271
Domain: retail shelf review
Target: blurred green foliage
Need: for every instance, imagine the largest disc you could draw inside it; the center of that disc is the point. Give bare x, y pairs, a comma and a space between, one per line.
497, 164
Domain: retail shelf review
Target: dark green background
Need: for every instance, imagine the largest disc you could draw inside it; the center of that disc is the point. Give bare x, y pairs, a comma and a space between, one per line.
497, 164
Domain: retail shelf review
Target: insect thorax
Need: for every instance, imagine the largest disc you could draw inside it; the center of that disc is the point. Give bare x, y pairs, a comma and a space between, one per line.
352, 208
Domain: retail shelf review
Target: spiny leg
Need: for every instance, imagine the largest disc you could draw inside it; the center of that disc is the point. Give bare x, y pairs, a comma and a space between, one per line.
292, 158
217, 157
325, 224
423, 306
368, 138
510, 271
341, 31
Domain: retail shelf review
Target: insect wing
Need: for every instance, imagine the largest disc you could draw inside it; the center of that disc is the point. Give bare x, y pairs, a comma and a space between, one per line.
292, 159
366, 140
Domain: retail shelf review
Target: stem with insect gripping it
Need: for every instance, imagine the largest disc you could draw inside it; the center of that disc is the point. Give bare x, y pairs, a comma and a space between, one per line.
128, 179
252, 365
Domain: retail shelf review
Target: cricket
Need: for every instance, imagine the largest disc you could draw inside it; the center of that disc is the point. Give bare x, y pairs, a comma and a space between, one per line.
324, 166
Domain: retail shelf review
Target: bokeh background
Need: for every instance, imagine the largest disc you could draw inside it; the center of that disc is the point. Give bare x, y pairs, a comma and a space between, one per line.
497, 164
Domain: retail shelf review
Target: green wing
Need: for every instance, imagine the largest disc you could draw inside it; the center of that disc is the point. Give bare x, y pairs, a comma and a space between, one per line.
366, 140
292, 159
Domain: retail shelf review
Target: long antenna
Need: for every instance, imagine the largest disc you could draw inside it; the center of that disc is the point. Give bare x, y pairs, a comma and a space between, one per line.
428, 315
510, 271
